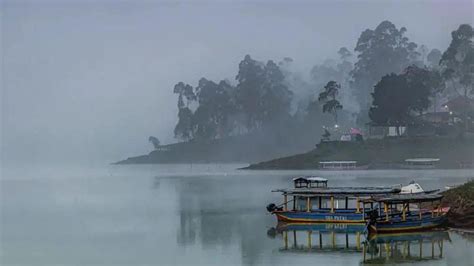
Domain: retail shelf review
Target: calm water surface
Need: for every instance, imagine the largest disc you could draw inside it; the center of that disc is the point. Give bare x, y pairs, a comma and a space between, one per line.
193, 215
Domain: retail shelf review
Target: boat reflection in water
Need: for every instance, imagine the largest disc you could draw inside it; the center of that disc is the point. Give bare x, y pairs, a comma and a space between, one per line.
403, 248
351, 238
320, 237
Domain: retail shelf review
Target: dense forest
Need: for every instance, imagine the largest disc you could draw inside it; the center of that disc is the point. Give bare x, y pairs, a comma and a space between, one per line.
386, 80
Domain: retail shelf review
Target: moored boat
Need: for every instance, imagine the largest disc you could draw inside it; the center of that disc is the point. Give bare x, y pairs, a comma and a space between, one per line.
405, 212
382, 209
312, 201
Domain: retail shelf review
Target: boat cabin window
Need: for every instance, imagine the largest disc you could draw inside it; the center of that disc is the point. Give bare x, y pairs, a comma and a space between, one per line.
324, 202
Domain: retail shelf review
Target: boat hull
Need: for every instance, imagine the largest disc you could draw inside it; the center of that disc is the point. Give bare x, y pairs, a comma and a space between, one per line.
413, 224
350, 228
320, 217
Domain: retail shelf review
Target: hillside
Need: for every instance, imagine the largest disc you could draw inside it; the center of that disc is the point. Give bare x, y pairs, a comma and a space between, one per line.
243, 149
379, 153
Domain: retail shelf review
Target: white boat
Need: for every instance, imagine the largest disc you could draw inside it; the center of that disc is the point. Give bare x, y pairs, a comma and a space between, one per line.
411, 188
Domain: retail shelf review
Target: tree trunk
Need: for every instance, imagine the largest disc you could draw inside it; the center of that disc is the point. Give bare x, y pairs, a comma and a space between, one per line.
466, 110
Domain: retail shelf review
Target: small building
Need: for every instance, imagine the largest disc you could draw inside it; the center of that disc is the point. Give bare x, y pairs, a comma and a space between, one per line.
436, 117
346, 137
458, 105
382, 131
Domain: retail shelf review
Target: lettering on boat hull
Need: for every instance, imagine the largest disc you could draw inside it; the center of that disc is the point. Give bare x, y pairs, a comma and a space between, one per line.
319, 218
335, 218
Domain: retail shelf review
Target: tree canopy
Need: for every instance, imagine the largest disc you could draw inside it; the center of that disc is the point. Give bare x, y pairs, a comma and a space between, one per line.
211, 118
404, 79
261, 97
185, 91
398, 98
381, 51
154, 141
458, 60
433, 58
328, 96
184, 128
261, 94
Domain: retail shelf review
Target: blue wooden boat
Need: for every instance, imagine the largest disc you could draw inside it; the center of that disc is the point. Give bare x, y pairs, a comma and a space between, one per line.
314, 202
405, 212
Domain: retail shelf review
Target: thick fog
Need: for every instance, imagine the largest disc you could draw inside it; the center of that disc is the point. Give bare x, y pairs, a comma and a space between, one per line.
91, 80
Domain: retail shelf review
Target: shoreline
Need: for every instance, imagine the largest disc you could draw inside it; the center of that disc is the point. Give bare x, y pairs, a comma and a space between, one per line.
252, 167
371, 154
380, 154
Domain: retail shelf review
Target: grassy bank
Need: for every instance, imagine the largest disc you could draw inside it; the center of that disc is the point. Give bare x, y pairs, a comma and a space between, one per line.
380, 153
461, 201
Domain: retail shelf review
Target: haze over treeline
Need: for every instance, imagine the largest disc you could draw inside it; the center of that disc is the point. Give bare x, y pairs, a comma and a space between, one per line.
95, 80
391, 82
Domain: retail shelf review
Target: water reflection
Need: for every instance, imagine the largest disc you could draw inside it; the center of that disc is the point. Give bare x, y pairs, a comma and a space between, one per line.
221, 213
347, 238
224, 215
319, 237
402, 248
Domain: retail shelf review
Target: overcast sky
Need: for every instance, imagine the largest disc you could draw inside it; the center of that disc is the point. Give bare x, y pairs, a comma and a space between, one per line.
91, 80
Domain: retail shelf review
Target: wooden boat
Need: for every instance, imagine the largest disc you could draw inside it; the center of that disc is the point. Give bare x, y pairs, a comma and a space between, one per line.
314, 202
404, 212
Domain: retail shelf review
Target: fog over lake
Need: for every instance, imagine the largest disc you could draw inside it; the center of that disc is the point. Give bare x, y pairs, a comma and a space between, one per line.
91, 80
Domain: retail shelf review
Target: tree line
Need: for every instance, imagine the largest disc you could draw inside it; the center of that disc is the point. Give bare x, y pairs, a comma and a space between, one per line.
260, 99
390, 81
398, 98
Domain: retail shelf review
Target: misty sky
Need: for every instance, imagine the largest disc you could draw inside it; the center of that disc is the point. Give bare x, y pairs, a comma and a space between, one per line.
91, 80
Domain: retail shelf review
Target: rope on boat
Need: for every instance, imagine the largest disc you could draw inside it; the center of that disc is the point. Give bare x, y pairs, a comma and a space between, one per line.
285, 203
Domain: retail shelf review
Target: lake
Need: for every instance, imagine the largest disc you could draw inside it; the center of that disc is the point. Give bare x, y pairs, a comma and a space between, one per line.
194, 215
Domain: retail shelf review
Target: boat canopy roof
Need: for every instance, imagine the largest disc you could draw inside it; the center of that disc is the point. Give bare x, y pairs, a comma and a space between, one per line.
316, 179
422, 160
338, 191
405, 198
338, 162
